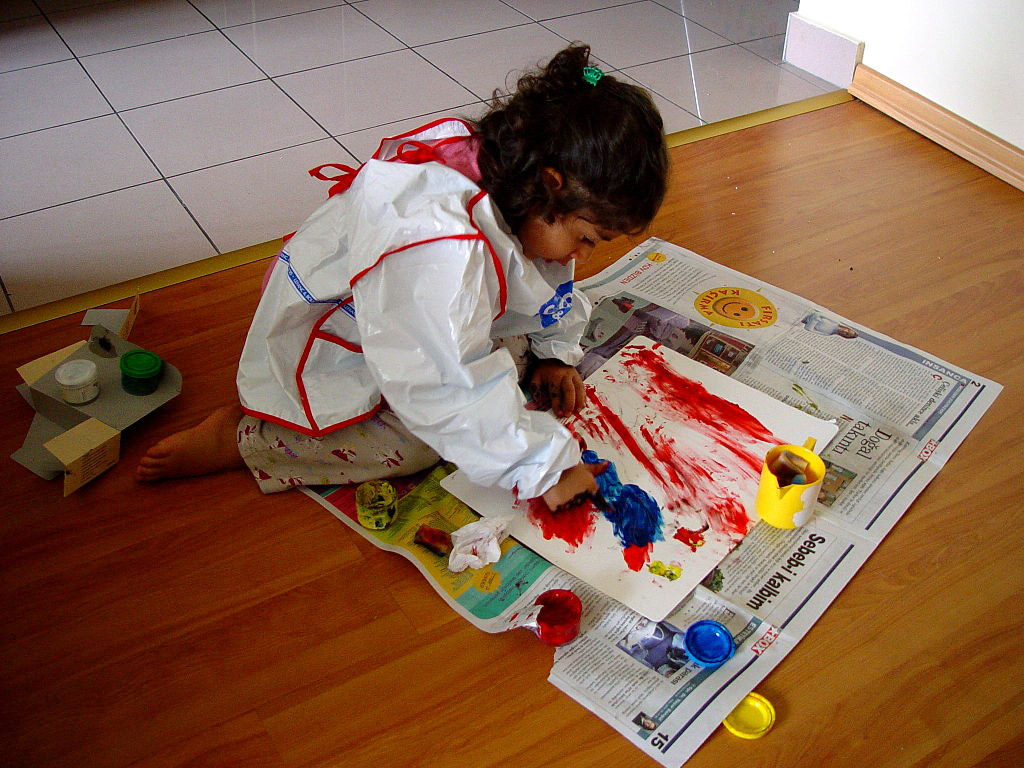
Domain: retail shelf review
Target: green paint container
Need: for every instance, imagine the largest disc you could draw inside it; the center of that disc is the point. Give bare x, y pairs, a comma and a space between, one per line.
140, 372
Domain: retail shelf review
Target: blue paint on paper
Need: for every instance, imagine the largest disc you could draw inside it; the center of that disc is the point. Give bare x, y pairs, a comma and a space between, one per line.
633, 513
608, 482
635, 517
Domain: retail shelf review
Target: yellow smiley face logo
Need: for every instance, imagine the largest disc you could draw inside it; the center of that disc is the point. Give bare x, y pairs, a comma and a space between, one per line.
736, 308
656, 257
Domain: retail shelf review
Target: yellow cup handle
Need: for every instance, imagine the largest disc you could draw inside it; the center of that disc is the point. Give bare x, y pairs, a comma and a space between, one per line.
810, 443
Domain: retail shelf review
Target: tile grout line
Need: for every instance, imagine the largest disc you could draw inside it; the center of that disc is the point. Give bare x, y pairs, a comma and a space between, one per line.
328, 134
217, 28
539, 23
693, 75
623, 73
166, 179
412, 117
269, 77
136, 139
576, 13
7, 296
415, 53
172, 176
272, 78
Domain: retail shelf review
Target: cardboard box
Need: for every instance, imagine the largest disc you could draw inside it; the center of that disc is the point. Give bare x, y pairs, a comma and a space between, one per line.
80, 442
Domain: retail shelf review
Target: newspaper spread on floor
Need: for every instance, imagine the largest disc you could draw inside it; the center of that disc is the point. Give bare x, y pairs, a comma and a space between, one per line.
490, 598
901, 413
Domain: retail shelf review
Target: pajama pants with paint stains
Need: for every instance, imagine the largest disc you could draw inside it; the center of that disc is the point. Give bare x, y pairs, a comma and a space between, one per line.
375, 449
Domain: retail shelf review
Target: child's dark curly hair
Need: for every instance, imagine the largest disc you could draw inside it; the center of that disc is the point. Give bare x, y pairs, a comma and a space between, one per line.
606, 140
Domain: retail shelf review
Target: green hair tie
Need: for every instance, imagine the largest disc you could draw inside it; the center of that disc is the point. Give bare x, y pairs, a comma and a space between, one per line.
592, 75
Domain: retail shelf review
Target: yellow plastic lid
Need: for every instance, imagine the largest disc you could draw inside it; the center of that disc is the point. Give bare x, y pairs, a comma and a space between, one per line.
752, 718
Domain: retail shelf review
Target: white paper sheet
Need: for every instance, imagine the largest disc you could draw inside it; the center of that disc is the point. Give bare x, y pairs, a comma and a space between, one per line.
693, 440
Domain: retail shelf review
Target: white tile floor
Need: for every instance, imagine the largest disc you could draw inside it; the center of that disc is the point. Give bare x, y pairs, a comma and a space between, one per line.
138, 135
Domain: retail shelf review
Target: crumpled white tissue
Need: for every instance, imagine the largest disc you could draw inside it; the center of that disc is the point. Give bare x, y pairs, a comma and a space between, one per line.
478, 543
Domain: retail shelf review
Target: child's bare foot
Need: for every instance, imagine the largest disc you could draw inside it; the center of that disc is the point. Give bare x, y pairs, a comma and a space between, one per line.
208, 447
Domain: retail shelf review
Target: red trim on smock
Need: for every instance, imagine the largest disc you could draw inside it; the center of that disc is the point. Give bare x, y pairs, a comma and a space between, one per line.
421, 129
499, 270
314, 432
420, 153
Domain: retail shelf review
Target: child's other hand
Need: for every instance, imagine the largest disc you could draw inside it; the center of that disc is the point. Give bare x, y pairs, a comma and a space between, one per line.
573, 482
558, 386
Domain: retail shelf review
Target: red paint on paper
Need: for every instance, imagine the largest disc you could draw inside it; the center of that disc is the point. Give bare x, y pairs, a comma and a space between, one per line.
724, 421
572, 523
675, 475
697, 482
692, 539
730, 515
607, 423
637, 556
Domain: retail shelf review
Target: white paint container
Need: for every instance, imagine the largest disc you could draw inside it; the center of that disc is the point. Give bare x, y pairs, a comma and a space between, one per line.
77, 380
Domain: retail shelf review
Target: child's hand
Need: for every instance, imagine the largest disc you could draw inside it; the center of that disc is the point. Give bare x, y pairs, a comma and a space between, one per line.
575, 481
558, 386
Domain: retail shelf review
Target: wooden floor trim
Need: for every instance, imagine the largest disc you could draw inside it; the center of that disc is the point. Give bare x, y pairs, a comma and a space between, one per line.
757, 118
144, 284
974, 144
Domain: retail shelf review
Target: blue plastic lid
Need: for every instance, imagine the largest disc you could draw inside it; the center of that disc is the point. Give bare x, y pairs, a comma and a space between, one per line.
709, 643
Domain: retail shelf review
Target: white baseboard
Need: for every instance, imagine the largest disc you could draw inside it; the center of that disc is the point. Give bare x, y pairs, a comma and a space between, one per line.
821, 51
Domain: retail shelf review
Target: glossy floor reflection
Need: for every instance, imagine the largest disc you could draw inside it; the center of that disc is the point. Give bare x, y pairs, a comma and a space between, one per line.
138, 135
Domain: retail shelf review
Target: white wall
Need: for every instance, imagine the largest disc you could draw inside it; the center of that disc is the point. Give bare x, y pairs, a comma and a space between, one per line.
965, 55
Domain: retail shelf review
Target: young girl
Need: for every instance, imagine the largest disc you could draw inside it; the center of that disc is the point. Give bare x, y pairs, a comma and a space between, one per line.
396, 323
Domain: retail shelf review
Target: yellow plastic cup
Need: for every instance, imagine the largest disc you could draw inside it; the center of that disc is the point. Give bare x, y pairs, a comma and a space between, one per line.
789, 505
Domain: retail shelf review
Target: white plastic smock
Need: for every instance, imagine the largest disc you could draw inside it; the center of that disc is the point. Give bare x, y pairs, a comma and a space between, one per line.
396, 288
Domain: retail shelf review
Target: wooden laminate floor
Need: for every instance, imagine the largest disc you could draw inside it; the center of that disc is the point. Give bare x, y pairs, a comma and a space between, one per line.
199, 623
